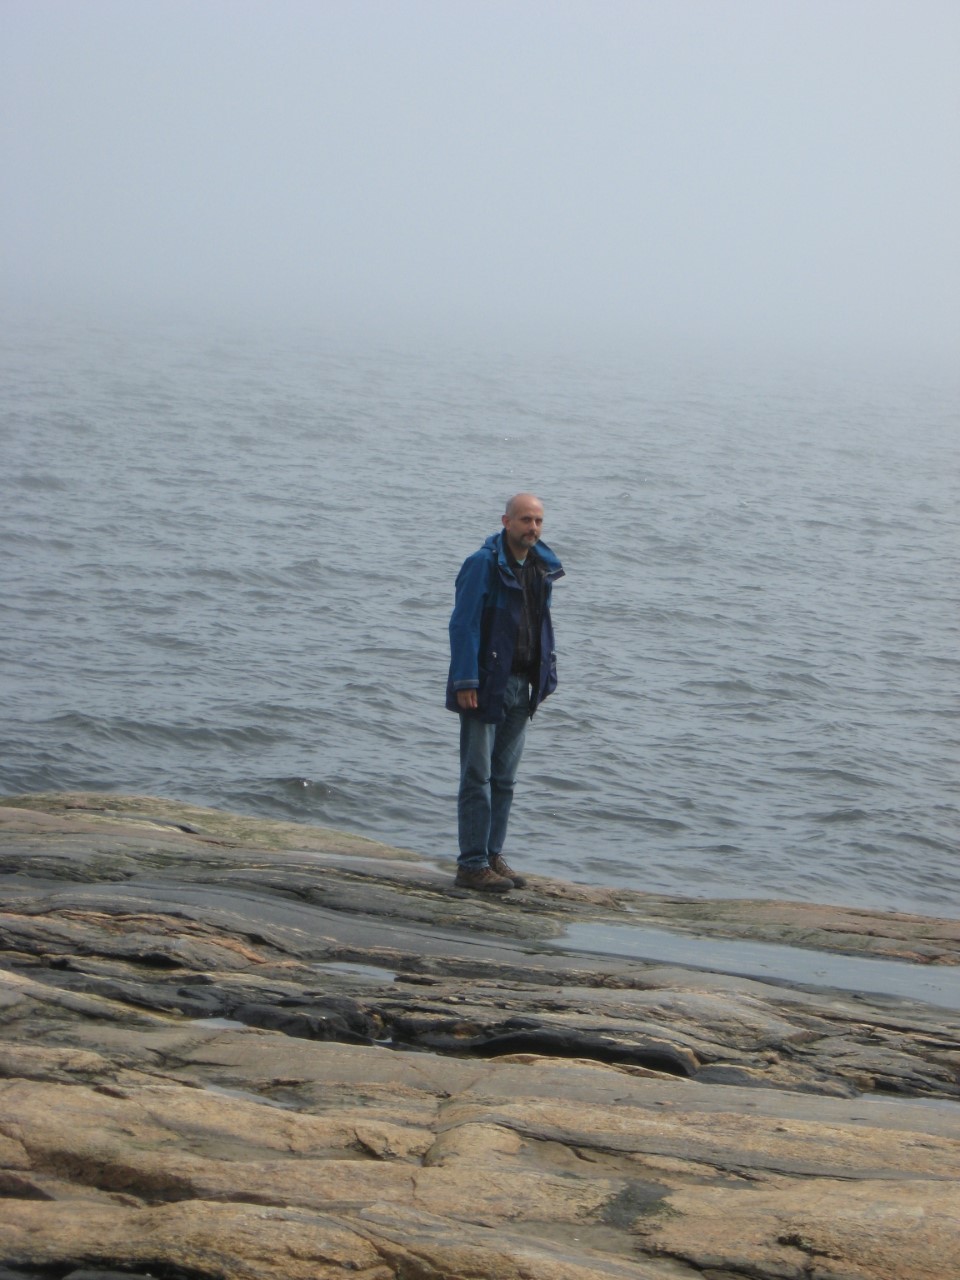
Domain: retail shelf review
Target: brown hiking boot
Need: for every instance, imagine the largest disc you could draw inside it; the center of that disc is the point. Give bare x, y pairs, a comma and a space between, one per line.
498, 864
484, 878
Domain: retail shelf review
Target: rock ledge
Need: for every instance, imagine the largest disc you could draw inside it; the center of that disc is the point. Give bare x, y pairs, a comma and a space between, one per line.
239, 1048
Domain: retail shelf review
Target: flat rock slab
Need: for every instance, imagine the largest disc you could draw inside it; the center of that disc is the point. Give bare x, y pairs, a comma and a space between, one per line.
238, 1048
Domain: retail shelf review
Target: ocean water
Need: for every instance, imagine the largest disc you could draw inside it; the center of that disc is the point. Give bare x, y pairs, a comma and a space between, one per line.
227, 569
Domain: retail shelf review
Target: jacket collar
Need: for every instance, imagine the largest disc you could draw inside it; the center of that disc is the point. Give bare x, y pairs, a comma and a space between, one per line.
498, 545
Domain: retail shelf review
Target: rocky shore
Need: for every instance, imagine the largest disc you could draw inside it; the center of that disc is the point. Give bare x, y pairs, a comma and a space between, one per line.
235, 1048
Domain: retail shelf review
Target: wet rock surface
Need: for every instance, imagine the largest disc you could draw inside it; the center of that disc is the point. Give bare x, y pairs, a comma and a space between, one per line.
239, 1048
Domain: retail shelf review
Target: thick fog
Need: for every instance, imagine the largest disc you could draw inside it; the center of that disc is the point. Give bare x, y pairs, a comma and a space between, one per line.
647, 172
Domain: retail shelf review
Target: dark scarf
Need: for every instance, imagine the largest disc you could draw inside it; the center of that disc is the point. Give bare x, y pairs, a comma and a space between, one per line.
530, 574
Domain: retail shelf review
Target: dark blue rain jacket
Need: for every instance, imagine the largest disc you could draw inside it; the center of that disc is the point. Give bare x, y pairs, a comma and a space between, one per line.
484, 626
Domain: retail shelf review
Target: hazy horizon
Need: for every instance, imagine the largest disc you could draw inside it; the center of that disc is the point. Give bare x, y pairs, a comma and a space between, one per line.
747, 175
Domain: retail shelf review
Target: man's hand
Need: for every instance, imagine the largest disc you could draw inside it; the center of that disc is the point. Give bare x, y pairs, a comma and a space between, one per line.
467, 699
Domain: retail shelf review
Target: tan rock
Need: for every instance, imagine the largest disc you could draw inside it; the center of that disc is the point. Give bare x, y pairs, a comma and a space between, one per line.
881, 1230
195, 1078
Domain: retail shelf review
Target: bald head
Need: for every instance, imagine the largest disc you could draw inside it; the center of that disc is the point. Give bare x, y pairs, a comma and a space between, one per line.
522, 523
521, 499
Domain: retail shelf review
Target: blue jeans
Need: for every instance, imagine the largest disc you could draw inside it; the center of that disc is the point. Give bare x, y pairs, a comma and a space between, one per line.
489, 759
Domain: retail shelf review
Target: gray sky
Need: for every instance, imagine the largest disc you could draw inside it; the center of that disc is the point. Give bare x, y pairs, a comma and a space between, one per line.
709, 171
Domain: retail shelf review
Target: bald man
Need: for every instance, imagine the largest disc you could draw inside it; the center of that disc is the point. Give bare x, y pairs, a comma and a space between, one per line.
503, 663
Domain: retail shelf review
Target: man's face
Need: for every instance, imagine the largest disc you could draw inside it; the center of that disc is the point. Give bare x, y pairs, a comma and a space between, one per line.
523, 526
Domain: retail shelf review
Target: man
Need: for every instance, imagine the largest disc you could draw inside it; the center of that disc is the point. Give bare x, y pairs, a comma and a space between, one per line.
503, 664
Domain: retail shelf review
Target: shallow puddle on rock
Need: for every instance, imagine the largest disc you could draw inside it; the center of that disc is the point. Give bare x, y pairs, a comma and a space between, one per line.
933, 984
218, 1024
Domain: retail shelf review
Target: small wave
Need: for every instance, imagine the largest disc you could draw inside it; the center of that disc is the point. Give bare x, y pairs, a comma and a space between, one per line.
305, 787
840, 815
41, 482
164, 640
119, 729
609, 813
829, 775
304, 799
928, 842
222, 576
803, 678
555, 783
17, 539
723, 686
311, 569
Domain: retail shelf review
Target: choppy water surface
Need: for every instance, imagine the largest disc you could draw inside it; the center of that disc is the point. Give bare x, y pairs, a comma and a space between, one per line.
228, 564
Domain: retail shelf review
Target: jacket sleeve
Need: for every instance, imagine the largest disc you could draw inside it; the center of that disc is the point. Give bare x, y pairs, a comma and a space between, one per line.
472, 591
